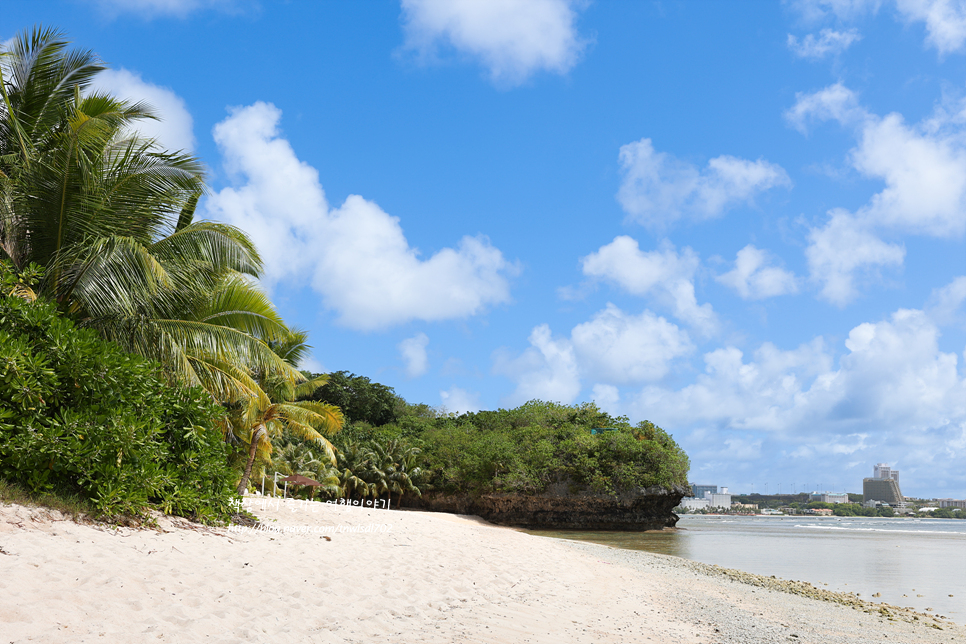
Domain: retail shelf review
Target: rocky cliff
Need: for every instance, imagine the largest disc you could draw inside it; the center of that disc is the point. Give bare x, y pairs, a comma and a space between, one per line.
560, 508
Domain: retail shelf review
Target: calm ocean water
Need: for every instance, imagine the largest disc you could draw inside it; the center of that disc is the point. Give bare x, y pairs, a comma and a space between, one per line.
912, 562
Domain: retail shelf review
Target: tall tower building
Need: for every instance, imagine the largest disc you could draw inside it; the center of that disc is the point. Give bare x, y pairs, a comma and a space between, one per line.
883, 486
883, 471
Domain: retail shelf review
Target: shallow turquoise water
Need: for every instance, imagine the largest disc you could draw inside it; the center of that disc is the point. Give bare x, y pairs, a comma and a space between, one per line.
899, 558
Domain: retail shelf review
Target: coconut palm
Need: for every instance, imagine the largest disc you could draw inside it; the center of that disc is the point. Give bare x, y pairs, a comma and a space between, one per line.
291, 456
355, 471
276, 409
395, 468
109, 215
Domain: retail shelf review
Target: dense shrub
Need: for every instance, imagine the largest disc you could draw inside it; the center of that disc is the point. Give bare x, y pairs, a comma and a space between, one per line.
530, 447
79, 415
361, 400
858, 510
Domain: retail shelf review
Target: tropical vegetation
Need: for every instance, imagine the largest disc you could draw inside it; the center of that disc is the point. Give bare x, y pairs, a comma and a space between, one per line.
536, 445
99, 222
142, 366
79, 416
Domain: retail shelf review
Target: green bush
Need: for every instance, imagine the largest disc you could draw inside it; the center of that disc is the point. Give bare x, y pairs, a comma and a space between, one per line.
533, 446
80, 416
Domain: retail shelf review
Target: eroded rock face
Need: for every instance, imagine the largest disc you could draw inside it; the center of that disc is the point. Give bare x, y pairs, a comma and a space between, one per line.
558, 508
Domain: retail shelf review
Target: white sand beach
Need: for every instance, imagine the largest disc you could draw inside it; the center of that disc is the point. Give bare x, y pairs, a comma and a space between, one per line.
328, 573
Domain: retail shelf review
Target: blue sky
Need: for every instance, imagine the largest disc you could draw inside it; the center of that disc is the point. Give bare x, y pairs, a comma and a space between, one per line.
741, 221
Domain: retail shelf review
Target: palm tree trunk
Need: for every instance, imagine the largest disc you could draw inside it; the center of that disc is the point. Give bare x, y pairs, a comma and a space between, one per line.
243, 484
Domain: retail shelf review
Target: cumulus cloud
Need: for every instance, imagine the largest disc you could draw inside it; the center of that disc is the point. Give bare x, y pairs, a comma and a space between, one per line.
924, 174
754, 279
893, 393
946, 304
922, 167
612, 348
607, 397
413, 352
512, 40
618, 348
664, 274
460, 401
828, 43
657, 189
546, 370
945, 21
356, 255
835, 102
174, 128
886, 392
841, 248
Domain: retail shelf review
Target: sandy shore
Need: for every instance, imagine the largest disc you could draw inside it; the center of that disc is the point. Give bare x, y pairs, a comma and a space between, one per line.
327, 573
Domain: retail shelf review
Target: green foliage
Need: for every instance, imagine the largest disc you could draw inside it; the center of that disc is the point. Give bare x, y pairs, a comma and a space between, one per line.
946, 513
361, 400
364, 469
109, 215
523, 450
533, 446
858, 510
80, 416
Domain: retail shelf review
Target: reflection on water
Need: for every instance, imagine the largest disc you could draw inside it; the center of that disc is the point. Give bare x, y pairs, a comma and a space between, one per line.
911, 562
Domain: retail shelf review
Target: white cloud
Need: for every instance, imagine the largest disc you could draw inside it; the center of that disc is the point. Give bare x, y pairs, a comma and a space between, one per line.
355, 256
618, 348
155, 8
924, 174
312, 365
613, 348
753, 279
413, 352
892, 383
945, 21
511, 39
657, 189
174, 128
607, 397
732, 393
946, 303
896, 371
664, 274
828, 42
840, 249
547, 370
460, 401
835, 102
922, 167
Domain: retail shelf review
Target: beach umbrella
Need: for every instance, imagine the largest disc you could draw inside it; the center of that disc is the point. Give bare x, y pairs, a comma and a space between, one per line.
298, 479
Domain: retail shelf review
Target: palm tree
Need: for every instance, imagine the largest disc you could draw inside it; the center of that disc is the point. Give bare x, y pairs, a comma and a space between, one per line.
291, 456
276, 409
355, 465
396, 469
109, 216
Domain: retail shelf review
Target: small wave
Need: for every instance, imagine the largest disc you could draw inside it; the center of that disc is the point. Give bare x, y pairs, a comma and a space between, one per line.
845, 529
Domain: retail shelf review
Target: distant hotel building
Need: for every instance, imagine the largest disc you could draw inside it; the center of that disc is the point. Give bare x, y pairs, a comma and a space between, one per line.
697, 491
883, 471
710, 498
883, 487
829, 497
952, 503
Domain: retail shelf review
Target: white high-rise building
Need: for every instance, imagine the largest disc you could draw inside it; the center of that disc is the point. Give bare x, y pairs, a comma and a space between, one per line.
883, 471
